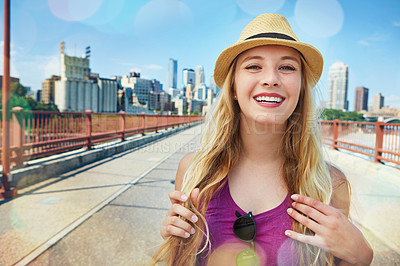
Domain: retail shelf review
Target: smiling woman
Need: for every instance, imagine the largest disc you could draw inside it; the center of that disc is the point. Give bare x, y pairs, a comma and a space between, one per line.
268, 81
258, 191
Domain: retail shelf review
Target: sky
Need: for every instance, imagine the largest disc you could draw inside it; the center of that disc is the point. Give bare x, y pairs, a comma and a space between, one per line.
141, 36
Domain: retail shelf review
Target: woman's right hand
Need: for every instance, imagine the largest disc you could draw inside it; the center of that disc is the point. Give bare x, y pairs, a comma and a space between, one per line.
172, 224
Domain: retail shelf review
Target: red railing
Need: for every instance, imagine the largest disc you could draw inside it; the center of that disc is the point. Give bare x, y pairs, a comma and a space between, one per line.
36, 134
379, 141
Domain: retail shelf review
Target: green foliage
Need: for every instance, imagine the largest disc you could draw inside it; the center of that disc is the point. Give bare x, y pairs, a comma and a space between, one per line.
39, 106
16, 100
331, 114
195, 112
18, 89
28, 104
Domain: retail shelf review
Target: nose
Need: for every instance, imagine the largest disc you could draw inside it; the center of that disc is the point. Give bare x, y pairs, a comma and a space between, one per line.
270, 78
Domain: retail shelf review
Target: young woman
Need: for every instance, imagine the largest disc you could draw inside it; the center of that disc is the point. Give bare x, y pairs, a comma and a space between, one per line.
258, 191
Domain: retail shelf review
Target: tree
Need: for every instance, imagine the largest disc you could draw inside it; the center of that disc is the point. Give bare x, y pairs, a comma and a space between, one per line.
17, 88
16, 100
331, 114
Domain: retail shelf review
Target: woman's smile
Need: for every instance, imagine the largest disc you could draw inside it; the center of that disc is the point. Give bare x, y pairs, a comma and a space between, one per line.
269, 100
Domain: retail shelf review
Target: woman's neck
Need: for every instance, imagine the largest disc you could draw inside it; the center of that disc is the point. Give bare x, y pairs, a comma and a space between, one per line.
261, 143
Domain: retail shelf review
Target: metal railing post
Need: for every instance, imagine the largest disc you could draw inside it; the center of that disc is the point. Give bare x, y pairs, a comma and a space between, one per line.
6, 191
189, 121
157, 117
142, 123
379, 132
335, 133
88, 123
123, 124
18, 128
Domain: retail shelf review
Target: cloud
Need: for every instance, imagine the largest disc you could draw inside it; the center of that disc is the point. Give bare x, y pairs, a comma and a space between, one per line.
138, 67
154, 67
363, 42
135, 69
393, 101
372, 39
13, 54
396, 23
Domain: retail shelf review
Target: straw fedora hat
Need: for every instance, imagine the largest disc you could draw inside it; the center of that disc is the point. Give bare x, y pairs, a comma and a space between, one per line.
267, 29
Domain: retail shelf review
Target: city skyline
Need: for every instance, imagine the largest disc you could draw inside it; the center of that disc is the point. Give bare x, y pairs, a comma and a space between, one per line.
140, 36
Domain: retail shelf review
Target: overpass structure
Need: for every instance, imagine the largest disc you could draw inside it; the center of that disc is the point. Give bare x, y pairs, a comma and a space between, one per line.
110, 211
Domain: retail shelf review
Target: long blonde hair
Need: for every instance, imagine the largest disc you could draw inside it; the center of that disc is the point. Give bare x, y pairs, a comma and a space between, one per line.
304, 169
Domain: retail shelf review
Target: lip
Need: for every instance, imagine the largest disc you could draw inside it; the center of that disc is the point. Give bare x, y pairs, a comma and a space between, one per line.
269, 105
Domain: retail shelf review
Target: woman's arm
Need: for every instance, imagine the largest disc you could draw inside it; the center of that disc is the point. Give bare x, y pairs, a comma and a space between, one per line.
173, 225
333, 230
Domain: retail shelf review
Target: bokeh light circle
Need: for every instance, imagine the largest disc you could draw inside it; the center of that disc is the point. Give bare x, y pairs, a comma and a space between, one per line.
162, 18
74, 10
257, 7
319, 18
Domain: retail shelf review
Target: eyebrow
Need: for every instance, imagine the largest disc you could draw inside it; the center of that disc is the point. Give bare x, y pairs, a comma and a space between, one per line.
288, 57
285, 57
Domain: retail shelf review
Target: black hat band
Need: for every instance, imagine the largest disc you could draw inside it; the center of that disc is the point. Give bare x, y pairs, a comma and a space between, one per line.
271, 35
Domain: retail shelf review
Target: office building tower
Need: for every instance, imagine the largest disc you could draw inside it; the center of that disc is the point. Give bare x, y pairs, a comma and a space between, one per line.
361, 99
160, 101
141, 88
79, 90
48, 87
172, 74
378, 102
188, 76
337, 86
200, 92
199, 76
189, 93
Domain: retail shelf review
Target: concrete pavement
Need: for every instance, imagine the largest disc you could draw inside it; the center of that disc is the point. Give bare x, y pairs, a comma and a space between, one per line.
50, 210
110, 212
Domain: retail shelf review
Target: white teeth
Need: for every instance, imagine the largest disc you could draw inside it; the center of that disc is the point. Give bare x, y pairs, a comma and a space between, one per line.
268, 99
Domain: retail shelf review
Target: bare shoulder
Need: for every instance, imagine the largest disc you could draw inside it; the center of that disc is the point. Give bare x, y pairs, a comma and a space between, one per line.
341, 190
182, 167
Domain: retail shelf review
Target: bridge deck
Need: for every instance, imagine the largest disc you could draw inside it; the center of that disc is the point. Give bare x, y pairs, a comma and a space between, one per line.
110, 212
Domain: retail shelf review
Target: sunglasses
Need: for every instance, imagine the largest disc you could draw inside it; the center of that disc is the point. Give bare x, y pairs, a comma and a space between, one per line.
244, 228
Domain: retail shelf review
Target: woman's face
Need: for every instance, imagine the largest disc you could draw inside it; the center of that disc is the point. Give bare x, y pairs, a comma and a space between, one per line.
267, 84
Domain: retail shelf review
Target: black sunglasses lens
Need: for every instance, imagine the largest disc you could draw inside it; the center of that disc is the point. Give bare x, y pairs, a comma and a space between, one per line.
244, 228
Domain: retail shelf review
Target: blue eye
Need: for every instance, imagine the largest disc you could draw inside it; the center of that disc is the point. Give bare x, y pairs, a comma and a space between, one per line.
253, 67
287, 68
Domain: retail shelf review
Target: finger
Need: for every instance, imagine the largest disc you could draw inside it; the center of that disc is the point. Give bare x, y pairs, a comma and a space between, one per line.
177, 197
194, 196
175, 221
308, 239
307, 222
311, 212
171, 230
179, 210
316, 204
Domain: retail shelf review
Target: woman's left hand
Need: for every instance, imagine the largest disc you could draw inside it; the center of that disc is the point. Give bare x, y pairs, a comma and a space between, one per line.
333, 231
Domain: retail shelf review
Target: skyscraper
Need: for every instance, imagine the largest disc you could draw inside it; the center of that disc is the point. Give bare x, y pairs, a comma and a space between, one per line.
172, 74
378, 102
199, 76
361, 99
48, 89
188, 76
337, 86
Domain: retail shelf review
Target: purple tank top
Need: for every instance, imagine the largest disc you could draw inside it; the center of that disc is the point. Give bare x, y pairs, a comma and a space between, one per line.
272, 245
